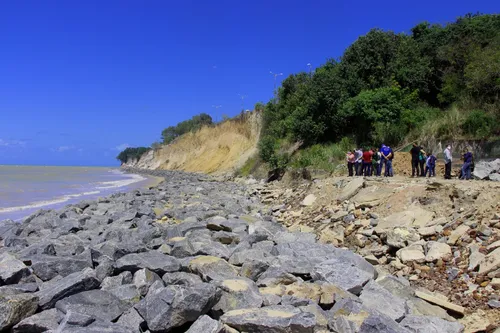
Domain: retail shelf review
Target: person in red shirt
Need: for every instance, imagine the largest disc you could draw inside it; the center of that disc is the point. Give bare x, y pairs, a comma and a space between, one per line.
367, 162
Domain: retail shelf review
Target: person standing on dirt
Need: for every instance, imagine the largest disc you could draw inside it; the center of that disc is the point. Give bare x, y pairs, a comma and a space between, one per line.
385, 153
466, 168
430, 165
376, 161
421, 162
367, 162
447, 162
390, 157
358, 164
350, 162
415, 157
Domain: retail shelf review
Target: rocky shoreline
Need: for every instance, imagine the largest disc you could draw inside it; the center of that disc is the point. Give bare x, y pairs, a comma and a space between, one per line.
195, 254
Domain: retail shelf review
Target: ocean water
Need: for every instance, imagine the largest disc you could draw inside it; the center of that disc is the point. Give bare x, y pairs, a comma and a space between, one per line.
25, 189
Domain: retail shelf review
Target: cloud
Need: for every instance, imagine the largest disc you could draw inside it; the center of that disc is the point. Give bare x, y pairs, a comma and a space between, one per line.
12, 143
123, 146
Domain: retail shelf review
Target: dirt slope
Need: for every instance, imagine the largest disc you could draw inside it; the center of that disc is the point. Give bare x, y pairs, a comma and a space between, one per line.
218, 149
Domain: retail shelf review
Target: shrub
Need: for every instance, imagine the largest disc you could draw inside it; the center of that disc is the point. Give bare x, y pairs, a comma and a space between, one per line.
479, 124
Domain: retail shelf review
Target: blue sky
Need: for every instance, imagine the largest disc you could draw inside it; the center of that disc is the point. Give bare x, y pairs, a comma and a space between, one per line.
80, 80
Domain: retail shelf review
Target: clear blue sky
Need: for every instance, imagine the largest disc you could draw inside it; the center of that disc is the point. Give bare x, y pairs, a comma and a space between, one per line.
81, 79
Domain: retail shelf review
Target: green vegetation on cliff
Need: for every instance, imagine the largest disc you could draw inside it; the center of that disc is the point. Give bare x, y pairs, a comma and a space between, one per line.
131, 154
169, 134
387, 86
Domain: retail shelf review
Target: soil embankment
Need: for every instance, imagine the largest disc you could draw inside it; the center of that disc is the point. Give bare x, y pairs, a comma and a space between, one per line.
218, 149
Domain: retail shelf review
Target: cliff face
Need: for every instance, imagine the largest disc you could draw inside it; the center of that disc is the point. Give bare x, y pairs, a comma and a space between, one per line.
217, 149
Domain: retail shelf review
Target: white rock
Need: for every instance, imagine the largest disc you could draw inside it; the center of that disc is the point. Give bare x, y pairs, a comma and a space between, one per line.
437, 251
427, 231
457, 234
490, 262
413, 253
309, 200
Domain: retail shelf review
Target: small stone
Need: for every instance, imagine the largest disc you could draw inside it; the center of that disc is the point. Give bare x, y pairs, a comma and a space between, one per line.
372, 259
457, 234
414, 253
484, 230
437, 251
494, 303
309, 200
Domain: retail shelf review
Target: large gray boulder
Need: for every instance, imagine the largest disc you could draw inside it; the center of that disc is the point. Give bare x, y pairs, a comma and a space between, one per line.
127, 293
378, 323
349, 271
98, 304
115, 281
143, 279
181, 278
483, 169
132, 320
173, 306
11, 269
212, 268
41, 322
152, 260
47, 267
16, 307
378, 298
239, 258
238, 294
275, 319
428, 324
205, 324
53, 291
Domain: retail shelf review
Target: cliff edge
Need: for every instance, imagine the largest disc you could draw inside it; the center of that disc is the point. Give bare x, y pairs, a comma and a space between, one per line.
217, 149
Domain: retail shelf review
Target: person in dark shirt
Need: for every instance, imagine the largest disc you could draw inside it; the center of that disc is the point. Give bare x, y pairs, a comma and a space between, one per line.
421, 162
466, 168
415, 157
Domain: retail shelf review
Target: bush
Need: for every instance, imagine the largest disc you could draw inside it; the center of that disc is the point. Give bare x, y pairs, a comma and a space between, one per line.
478, 124
170, 133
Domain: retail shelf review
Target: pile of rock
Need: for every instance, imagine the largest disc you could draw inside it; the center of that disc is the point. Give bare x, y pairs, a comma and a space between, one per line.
487, 170
193, 255
457, 255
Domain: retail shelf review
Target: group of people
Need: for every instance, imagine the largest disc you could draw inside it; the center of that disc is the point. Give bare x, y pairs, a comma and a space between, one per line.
370, 161
422, 163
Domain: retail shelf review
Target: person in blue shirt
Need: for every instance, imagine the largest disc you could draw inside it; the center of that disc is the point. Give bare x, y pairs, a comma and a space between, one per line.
430, 165
466, 168
387, 156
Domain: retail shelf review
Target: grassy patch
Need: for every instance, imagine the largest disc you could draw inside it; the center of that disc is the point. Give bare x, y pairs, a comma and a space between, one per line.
250, 165
322, 157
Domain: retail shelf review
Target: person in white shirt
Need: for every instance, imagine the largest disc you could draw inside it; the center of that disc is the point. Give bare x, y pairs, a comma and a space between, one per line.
447, 162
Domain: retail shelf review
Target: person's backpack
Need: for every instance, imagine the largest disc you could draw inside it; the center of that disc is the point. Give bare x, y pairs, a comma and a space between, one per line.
421, 156
433, 159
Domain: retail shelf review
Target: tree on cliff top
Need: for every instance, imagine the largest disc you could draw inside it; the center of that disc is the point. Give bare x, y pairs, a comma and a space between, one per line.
131, 153
170, 133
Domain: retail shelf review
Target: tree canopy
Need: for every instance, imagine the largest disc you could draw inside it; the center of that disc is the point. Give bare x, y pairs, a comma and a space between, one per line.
170, 133
131, 154
385, 84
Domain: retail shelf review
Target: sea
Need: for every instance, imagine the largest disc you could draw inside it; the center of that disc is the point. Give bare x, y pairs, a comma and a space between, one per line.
26, 189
